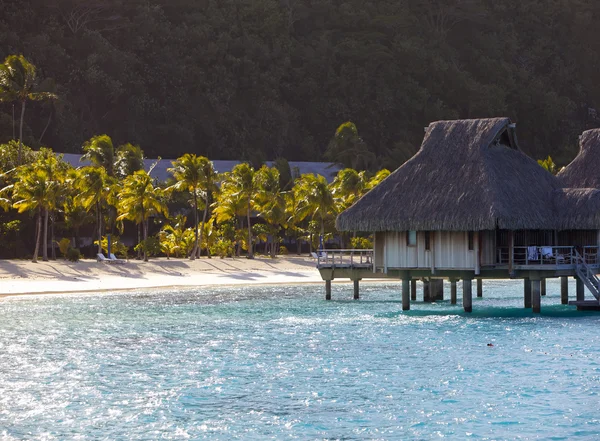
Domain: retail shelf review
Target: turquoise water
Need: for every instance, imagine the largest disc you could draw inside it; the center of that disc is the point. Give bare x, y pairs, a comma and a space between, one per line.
258, 363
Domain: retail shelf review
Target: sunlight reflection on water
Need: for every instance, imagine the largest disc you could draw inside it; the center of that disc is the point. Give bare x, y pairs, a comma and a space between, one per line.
280, 362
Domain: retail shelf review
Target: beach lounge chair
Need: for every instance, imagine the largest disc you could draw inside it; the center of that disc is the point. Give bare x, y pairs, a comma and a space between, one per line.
314, 255
100, 258
115, 259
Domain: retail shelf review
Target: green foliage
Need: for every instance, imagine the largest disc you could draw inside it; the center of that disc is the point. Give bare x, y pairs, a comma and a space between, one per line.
73, 254
360, 243
63, 245
116, 246
549, 165
283, 250
283, 75
150, 246
223, 248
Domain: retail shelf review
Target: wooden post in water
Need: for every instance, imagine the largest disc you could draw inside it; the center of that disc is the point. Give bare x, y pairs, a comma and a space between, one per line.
426, 291
467, 295
527, 292
564, 290
536, 298
356, 294
579, 289
413, 290
479, 288
436, 289
453, 291
406, 283
327, 289
543, 287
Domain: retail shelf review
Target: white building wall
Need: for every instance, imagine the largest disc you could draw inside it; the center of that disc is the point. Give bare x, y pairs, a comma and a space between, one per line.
449, 250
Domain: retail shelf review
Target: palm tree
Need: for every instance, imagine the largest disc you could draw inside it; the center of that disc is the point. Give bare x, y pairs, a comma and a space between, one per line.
270, 202
100, 152
348, 187
129, 159
18, 82
138, 200
94, 186
376, 180
241, 185
33, 190
315, 199
56, 170
196, 175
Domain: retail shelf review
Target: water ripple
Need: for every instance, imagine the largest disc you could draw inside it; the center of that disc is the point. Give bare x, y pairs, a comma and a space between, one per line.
273, 363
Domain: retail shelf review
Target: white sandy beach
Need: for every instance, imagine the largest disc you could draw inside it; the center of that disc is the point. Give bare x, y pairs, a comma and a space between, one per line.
24, 277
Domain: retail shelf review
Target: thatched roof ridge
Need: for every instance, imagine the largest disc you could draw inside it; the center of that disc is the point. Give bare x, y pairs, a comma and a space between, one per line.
584, 170
467, 175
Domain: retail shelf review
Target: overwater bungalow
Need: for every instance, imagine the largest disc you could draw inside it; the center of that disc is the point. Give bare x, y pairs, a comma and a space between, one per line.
470, 205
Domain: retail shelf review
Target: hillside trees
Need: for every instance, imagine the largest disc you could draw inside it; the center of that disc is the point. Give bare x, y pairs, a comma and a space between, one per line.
264, 79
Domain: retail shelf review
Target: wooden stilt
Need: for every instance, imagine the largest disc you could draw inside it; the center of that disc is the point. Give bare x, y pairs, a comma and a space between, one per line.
527, 292
536, 298
468, 295
413, 290
426, 291
453, 291
356, 295
543, 287
564, 290
479, 288
579, 289
436, 289
406, 283
327, 289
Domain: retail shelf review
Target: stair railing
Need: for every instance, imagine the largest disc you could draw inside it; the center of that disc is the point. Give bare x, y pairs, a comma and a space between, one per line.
587, 275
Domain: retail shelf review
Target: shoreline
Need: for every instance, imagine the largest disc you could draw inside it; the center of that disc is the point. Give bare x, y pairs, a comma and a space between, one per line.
25, 278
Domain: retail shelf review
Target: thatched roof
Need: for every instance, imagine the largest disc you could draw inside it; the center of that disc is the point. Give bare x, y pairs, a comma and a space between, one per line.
577, 209
467, 175
584, 170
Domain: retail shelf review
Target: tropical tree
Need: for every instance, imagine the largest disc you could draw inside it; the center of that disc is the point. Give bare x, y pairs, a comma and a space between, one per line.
129, 158
238, 190
315, 199
18, 82
56, 171
94, 187
33, 190
348, 149
549, 165
196, 175
270, 202
138, 200
376, 180
99, 150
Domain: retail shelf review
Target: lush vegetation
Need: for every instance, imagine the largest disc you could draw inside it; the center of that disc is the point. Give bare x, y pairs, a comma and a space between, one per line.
200, 212
262, 79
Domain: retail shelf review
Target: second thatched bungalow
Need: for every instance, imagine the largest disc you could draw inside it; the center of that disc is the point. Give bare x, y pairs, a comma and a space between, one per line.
471, 205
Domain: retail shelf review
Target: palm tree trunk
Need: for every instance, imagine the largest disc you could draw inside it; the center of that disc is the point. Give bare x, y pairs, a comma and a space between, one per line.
45, 128
195, 250
52, 241
250, 247
45, 240
37, 236
202, 228
99, 227
20, 153
145, 225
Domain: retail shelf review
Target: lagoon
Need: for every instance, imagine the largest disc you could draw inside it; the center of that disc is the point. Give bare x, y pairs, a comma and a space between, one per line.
279, 362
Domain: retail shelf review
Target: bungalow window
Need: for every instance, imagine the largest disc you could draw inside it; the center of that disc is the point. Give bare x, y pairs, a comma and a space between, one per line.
411, 238
427, 241
471, 236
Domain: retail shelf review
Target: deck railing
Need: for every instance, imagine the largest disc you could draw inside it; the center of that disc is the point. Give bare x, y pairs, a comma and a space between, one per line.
547, 255
345, 258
